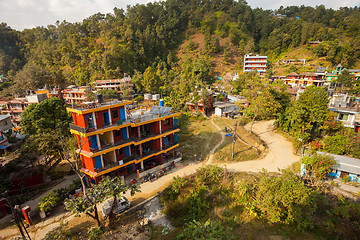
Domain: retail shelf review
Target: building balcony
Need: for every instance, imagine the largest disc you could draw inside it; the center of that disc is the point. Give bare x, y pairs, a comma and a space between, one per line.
134, 158
133, 140
131, 121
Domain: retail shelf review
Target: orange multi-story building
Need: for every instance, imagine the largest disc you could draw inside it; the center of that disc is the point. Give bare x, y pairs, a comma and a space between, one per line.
114, 142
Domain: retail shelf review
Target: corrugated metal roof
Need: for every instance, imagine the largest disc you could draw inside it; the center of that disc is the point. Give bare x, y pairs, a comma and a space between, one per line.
344, 163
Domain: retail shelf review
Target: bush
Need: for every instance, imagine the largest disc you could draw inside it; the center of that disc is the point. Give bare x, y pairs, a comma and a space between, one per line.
285, 200
346, 178
172, 191
49, 201
318, 166
336, 144
94, 233
139, 98
207, 230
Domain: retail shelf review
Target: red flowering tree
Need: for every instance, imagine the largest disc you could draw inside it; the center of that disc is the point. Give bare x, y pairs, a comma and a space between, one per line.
317, 165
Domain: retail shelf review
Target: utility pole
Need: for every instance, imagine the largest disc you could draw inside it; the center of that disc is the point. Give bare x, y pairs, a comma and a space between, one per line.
234, 139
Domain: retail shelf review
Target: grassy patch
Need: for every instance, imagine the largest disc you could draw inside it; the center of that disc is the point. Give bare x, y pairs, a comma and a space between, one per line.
197, 137
242, 151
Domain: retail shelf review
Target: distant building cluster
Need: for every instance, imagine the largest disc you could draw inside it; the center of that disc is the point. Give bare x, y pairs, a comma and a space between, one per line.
72, 95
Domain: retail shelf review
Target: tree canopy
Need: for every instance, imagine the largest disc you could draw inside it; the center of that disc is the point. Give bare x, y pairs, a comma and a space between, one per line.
305, 118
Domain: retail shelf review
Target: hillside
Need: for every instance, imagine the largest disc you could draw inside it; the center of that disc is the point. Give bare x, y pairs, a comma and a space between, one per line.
214, 34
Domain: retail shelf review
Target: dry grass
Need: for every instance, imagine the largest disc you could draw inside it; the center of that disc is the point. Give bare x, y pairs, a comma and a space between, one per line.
242, 151
198, 137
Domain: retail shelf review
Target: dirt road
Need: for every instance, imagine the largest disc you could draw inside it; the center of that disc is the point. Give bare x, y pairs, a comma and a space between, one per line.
280, 155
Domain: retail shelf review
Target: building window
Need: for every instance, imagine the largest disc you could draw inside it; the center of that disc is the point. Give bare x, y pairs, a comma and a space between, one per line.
120, 151
117, 133
115, 113
343, 117
166, 122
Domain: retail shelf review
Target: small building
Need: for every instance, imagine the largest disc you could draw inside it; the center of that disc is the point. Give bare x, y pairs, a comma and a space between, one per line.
198, 104
314, 43
347, 109
255, 62
5, 123
305, 79
75, 94
294, 61
345, 166
225, 109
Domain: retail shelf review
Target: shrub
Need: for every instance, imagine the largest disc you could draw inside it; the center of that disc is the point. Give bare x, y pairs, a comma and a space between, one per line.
49, 201
317, 165
172, 191
346, 178
285, 200
94, 233
336, 144
206, 230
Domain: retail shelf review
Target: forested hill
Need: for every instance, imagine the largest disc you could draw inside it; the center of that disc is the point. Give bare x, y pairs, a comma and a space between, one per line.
107, 45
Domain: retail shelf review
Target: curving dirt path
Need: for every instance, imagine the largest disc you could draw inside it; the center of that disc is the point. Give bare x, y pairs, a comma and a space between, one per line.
280, 151
280, 155
210, 158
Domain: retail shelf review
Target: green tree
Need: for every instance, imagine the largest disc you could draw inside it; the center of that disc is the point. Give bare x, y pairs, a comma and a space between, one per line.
106, 188
336, 144
48, 116
109, 94
307, 115
262, 105
151, 80
318, 165
346, 79
47, 123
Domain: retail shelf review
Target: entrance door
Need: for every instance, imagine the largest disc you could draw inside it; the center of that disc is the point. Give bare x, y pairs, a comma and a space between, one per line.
93, 142
106, 118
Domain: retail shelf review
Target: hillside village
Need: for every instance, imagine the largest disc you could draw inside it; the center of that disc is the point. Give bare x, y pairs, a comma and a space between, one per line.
218, 133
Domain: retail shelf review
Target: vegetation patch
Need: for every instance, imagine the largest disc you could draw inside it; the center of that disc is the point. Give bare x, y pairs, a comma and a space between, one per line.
269, 204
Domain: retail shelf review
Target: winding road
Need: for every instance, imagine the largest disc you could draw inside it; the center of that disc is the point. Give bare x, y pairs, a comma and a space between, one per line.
280, 155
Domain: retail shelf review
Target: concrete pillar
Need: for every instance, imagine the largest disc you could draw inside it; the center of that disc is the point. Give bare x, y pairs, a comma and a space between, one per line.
94, 119
102, 160
139, 133
110, 118
98, 141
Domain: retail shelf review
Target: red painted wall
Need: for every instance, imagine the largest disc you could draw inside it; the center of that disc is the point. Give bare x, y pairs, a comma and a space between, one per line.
155, 144
132, 131
32, 181
85, 142
155, 128
112, 116
120, 156
79, 120
99, 119
117, 138
166, 128
88, 163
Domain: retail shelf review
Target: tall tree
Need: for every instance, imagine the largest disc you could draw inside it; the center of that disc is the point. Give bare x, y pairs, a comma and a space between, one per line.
150, 80
47, 123
307, 115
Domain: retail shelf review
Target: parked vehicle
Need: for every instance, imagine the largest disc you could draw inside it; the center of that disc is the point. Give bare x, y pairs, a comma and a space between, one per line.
122, 205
